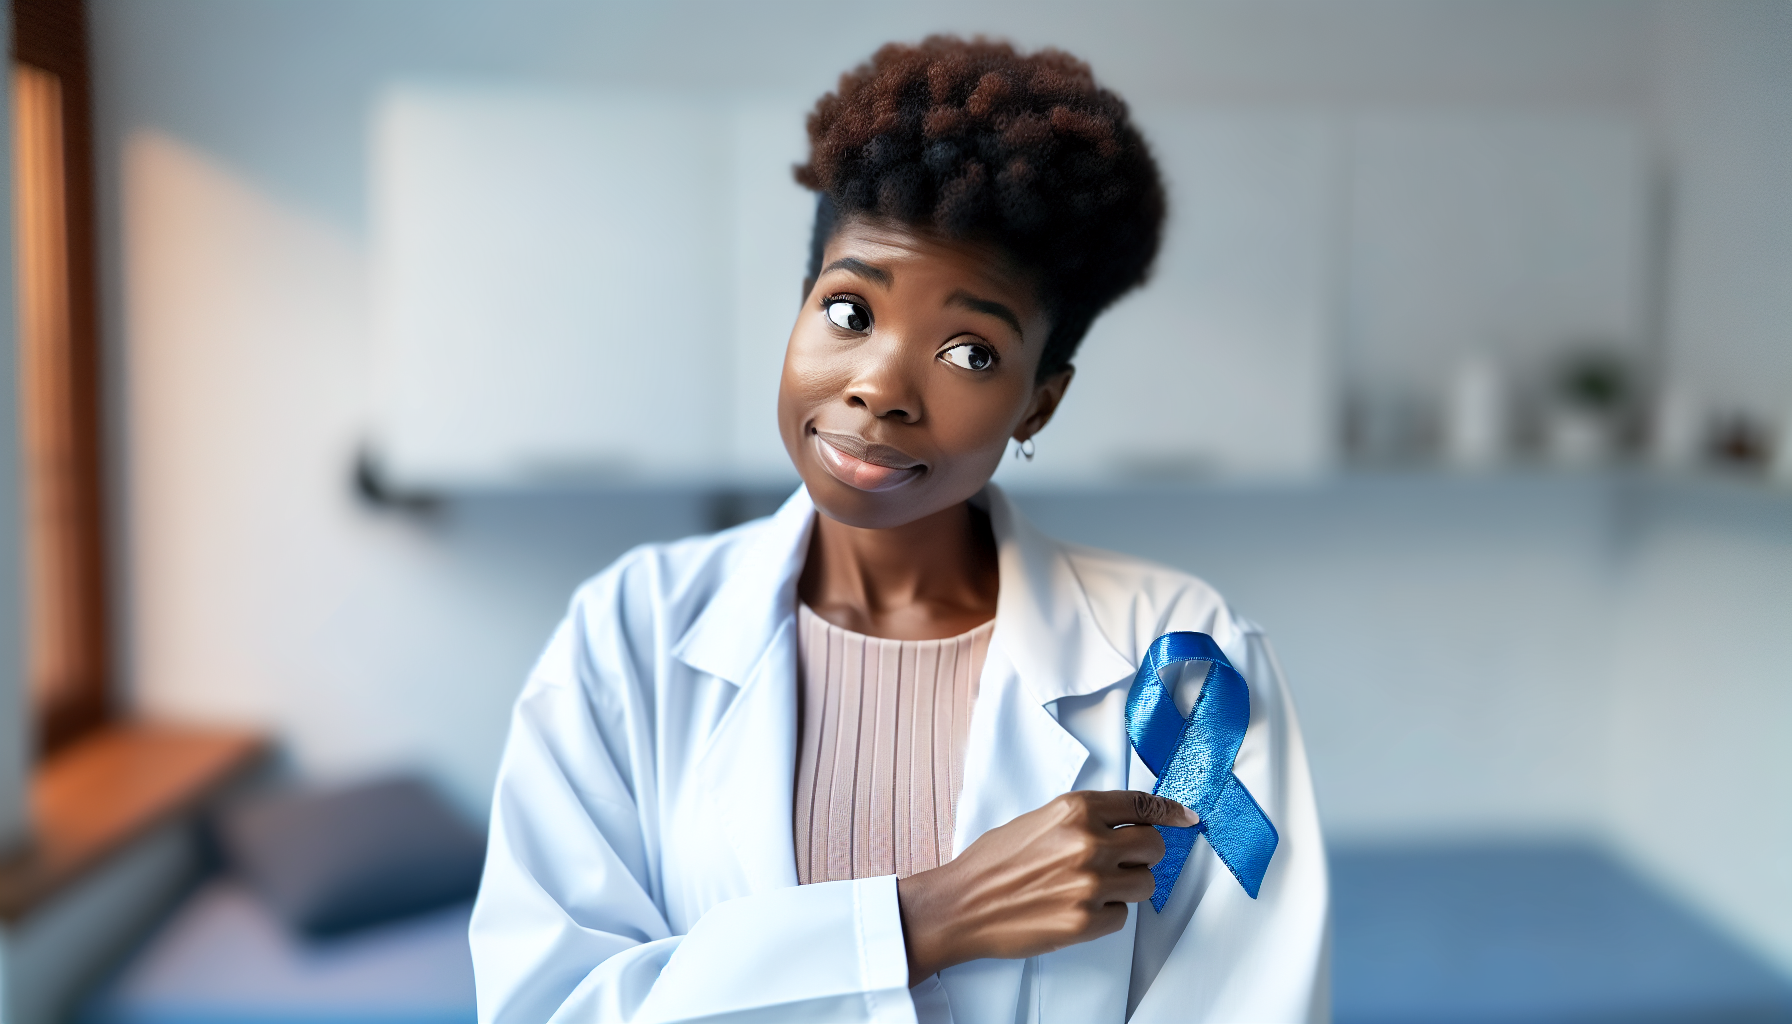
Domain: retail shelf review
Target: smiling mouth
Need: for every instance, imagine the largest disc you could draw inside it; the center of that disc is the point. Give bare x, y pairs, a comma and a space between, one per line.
859, 463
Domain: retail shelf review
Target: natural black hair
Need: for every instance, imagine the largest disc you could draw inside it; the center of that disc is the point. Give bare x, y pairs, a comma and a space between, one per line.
976, 141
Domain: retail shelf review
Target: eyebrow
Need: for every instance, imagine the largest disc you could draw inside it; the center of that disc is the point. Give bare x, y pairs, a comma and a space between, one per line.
988, 307
876, 275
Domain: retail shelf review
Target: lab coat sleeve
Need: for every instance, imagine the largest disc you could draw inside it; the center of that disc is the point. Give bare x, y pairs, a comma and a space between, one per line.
570, 924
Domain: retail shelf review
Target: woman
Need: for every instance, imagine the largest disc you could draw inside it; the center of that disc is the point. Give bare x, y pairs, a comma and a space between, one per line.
868, 759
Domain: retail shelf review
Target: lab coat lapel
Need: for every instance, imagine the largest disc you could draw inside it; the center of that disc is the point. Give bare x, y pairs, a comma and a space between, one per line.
1047, 645
747, 637
746, 772
756, 597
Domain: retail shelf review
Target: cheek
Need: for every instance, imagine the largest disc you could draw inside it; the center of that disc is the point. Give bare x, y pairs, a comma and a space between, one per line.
981, 418
807, 379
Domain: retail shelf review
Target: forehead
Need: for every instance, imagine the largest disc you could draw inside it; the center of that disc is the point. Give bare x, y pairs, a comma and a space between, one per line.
915, 256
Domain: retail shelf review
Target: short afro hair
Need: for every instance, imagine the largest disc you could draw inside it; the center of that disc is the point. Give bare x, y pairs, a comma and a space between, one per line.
976, 141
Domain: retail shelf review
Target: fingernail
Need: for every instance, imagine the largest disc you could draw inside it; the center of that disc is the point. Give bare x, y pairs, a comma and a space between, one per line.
1193, 818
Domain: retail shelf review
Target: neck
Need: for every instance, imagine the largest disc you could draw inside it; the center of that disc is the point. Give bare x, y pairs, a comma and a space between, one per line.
927, 580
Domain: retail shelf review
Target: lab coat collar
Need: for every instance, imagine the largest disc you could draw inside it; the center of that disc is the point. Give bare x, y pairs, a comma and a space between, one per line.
1044, 617
756, 599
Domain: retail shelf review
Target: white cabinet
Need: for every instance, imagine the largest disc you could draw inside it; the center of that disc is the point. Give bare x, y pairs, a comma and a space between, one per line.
574, 289
597, 289
1487, 234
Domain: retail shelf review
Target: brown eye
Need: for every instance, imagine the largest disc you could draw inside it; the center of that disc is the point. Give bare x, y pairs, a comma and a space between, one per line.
970, 355
849, 315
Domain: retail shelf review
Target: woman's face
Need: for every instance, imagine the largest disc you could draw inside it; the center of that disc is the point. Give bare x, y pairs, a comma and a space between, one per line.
911, 365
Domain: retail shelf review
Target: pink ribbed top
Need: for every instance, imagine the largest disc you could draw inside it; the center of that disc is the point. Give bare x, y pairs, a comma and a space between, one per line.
881, 728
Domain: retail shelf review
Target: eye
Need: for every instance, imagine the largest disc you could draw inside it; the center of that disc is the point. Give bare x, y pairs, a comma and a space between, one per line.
970, 355
848, 314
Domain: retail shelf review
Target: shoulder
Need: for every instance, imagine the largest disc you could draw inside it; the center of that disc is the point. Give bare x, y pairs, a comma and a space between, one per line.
622, 625
668, 582
1135, 601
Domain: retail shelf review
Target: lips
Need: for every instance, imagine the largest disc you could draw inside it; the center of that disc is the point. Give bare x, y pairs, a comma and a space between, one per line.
861, 464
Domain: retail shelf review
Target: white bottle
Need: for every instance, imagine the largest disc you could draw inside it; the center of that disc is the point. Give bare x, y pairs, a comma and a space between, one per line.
1475, 427
1676, 428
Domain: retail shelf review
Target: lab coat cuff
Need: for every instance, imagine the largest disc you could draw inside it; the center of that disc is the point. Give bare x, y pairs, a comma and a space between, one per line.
883, 955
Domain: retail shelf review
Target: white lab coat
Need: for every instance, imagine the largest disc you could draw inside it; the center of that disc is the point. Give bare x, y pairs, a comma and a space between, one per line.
642, 867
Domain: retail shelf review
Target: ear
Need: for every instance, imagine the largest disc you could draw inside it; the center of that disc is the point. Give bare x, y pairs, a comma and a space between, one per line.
1046, 396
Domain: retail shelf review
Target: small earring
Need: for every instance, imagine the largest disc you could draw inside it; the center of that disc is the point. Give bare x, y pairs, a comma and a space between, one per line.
1024, 449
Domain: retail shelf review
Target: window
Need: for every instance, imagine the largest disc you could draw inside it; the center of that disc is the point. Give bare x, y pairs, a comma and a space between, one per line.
66, 628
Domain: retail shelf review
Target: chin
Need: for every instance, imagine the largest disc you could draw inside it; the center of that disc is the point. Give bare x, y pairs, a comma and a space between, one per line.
872, 510
887, 510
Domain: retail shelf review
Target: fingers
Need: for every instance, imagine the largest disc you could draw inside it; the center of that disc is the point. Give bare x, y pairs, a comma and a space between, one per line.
1135, 884
1135, 845
1129, 807
1120, 885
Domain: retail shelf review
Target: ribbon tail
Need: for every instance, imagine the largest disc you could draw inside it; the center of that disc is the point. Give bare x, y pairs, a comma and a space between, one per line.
1178, 844
1241, 834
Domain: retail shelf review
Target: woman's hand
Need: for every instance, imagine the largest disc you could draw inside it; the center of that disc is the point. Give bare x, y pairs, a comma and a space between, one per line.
1050, 878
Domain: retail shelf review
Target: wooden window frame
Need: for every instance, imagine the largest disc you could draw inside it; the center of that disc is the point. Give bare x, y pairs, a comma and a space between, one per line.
100, 786
51, 35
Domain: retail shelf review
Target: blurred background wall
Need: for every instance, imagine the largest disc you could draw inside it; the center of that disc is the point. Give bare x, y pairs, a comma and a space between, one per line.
1596, 654
15, 748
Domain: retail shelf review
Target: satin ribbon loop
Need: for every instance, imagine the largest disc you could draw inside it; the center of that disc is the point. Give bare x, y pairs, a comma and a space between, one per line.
1192, 759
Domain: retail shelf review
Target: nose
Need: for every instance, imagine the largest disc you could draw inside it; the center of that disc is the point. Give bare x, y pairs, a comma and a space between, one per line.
884, 385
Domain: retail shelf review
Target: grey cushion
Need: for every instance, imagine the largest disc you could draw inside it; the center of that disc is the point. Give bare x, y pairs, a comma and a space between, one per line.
339, 859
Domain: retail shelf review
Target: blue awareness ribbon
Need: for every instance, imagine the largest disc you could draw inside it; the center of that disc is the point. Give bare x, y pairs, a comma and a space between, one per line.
1192, 760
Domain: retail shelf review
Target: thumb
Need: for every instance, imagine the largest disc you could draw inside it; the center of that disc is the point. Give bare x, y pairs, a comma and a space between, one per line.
1171, 813
1135, 808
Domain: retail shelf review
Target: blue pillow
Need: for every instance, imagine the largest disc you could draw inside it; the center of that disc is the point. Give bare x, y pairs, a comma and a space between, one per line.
331, 861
